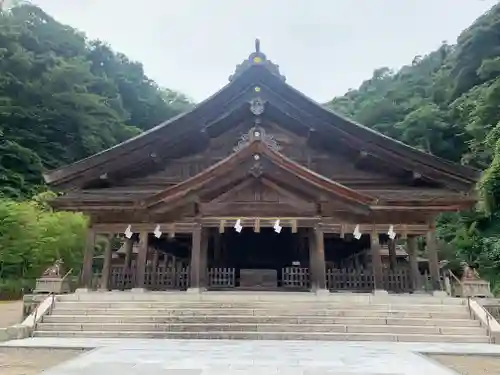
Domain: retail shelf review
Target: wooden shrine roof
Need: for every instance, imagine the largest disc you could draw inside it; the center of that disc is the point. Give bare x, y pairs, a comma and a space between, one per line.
254, 160
257, 79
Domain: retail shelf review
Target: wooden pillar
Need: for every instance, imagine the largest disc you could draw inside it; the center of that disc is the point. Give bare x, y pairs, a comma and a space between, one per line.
432, 255
88, 259
393, 260
142, 256
205, 236
154, 266
413, 258
197, 263
356, 262
129, 244
106, 264
217, 248
376, 260
312, 264
317, 271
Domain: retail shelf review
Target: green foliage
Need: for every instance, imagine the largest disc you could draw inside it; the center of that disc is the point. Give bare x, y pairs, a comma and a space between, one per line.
490, 184
32, 237
447, 103
63, 98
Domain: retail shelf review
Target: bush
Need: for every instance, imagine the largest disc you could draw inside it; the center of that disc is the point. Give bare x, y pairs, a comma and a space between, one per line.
32, 238
15, 289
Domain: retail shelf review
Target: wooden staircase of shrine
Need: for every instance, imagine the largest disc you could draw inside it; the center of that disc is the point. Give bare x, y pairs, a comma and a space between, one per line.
262, 315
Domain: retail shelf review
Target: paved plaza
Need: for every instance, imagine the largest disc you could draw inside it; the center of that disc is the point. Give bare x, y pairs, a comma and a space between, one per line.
221, 357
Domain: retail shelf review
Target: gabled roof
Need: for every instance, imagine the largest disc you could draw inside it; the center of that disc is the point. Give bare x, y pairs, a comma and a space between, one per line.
254, 150
258, 77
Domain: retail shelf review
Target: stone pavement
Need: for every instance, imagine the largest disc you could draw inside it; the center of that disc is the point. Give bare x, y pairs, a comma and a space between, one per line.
221, 357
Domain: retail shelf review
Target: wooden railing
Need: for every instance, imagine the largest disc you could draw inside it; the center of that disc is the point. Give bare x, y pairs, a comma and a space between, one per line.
121, 277
295, 277
398, 281
221, 278
165, 278
349, 279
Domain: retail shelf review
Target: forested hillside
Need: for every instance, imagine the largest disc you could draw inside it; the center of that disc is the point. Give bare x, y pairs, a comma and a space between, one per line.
447, 103
63, 97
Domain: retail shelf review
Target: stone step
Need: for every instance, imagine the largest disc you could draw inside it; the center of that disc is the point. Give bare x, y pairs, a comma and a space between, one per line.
250, 319
318, 305
457, 314
246, 296
227, 335
262, 327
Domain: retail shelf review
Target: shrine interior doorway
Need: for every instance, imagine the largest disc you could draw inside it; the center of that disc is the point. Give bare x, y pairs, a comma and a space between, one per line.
259, 258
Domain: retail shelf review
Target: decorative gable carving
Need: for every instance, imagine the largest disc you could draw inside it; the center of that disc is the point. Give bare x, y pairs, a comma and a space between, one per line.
255, 196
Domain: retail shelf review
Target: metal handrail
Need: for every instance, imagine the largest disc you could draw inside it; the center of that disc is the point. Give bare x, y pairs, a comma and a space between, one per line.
52, 295
488, 328
67, 274
34, 320
489, 318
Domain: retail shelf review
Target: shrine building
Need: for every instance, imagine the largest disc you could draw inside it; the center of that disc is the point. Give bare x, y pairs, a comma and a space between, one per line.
260, 187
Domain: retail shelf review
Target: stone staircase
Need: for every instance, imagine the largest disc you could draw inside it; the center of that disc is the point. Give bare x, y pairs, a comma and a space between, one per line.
271, 316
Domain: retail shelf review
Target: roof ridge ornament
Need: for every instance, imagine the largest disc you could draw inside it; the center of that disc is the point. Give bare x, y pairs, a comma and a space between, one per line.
257, 133
257, 58
257, 106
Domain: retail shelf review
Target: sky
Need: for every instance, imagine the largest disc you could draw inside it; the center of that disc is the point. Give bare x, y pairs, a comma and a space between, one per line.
323, 47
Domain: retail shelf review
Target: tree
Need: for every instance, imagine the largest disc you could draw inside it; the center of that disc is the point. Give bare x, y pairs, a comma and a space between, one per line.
64, 98
446, 103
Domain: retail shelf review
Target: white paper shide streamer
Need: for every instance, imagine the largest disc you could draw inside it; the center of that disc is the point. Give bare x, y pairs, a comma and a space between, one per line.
128, 232
237, 226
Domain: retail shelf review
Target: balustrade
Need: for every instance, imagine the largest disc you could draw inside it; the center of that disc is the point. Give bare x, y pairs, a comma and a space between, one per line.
348, 279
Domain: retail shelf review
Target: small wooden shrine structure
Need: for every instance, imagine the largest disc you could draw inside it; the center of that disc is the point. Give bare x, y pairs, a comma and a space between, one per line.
262, 157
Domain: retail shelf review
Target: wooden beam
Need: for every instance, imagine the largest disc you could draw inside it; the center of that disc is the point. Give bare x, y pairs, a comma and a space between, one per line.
342, 230
328, 225
171, 230
257, 225
222, 226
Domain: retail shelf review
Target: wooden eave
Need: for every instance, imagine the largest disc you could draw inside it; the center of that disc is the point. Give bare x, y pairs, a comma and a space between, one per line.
328, 116
212, 107
290, 103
